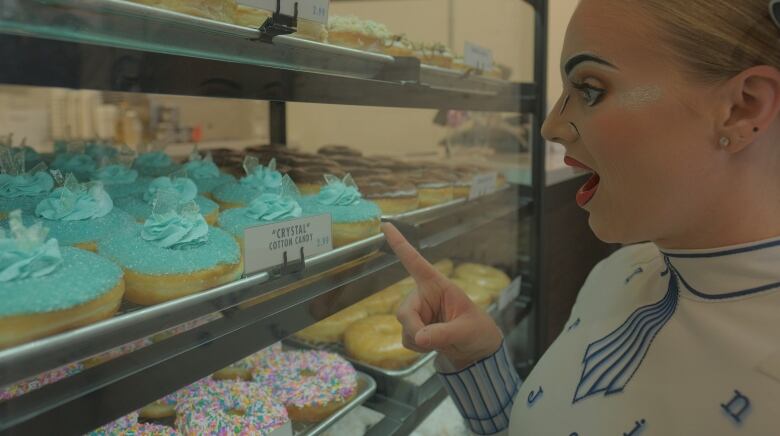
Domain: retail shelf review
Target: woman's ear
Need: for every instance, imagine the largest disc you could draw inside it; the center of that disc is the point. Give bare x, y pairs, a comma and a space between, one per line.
752, 105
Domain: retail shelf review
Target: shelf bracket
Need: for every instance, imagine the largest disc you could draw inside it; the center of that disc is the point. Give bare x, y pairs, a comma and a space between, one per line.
279, 24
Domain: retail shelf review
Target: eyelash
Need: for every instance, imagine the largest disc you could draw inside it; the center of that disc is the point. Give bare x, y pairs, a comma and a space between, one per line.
587, 93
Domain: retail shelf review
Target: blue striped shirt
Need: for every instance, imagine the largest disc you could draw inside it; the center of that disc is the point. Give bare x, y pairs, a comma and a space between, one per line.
483, 392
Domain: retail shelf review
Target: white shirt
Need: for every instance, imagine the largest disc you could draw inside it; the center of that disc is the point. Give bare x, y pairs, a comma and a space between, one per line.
680, 342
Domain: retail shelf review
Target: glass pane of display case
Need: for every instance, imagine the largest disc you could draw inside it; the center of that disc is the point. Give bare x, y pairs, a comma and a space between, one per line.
191, 209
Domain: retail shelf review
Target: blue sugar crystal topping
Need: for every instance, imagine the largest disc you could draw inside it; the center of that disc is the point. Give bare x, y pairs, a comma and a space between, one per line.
76, 232
207, 185
239, 193
131, 251
360, 210
26, 204
140, 209
82, 277
119, 190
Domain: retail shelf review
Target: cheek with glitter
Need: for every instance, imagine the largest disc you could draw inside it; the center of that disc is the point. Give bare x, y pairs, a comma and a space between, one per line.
640, 97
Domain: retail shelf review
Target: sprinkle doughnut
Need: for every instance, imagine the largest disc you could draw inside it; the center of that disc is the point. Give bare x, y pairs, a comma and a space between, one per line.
230, 408
311, 384
33, 383
166, 406
377, 340
116, 427
244, 368
147, 429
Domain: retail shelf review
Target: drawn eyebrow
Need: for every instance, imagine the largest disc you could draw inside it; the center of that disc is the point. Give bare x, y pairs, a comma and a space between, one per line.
585, 57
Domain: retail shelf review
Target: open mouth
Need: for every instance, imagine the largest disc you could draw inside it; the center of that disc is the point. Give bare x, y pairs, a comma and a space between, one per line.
588, 190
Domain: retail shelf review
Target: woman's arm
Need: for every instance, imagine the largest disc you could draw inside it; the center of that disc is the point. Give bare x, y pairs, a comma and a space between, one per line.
473, 361
484, 392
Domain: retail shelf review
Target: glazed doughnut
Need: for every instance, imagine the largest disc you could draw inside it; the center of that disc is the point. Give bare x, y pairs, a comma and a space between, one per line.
331, 329
230, 408
376, 340
445, 267
484, 276
480, 296
311, 384
383, 301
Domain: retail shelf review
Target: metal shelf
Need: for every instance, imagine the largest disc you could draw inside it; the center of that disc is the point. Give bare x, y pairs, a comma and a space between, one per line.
256, 312
117, 45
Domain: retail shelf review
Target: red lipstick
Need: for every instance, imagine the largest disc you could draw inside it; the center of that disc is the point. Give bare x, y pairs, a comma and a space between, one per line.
588, 190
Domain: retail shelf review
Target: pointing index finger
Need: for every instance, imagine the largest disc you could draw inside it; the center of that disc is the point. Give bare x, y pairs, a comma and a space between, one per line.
419, 268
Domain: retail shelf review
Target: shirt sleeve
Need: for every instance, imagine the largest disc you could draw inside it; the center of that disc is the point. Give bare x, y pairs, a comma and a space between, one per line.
484, 392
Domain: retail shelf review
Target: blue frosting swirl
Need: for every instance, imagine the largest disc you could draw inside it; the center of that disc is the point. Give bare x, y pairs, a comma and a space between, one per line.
80, 164
176, 231
337, 193
201, 169
88, 202
25, 185
273, 207
263, 178
185, 187
116, 175
155, 159
25, 257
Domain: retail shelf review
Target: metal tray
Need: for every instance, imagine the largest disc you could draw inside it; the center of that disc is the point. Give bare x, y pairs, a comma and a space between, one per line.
339, 348
366, 388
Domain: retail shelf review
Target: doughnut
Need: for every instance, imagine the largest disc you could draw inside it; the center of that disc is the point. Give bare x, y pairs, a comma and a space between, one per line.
376, 340
33, 383
243, 369
398, 46
165, 407
352, 217
116, 427
437, 55
230, 408
117, 352
155, 163
433, 190
484, 276
340, 150
205, 173
392, 198
311, 384
81, 165
23, 191
120, 181
480, 296
160, 265
128, 425
62, 289
331, 329
310, 179
445, 267
383, 301
140, 205
258, 180
79, 215
351, 31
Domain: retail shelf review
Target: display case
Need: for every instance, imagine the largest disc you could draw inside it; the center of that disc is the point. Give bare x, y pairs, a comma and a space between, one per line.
443, 99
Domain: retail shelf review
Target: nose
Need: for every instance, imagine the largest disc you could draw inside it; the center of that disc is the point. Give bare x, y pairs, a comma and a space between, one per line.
556, 128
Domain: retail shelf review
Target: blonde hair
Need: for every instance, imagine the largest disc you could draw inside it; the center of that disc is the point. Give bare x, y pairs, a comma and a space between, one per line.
717, 39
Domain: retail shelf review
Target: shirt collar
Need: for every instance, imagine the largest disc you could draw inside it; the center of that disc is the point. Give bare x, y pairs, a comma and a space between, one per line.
727, 272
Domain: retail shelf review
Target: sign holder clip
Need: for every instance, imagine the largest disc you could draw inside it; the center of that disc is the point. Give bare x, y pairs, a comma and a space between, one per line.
279, 24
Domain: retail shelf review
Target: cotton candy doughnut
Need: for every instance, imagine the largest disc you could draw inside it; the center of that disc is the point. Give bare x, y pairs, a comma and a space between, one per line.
311, 384
230, 408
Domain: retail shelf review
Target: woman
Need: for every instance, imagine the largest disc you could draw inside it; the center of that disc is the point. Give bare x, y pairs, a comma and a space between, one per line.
674, 106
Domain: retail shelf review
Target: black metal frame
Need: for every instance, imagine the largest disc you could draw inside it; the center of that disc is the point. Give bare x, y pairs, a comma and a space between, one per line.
149, 373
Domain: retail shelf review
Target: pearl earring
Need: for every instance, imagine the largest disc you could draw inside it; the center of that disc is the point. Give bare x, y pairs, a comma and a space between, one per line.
725, 141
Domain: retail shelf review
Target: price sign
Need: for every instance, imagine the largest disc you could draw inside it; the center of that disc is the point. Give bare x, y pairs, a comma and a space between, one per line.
483, 184
264, 246
510, 294
478, 57
313, 10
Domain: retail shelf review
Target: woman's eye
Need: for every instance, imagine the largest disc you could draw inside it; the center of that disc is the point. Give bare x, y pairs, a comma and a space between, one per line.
590, 94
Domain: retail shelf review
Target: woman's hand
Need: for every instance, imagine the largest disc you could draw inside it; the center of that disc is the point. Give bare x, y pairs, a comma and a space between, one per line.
439, 315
